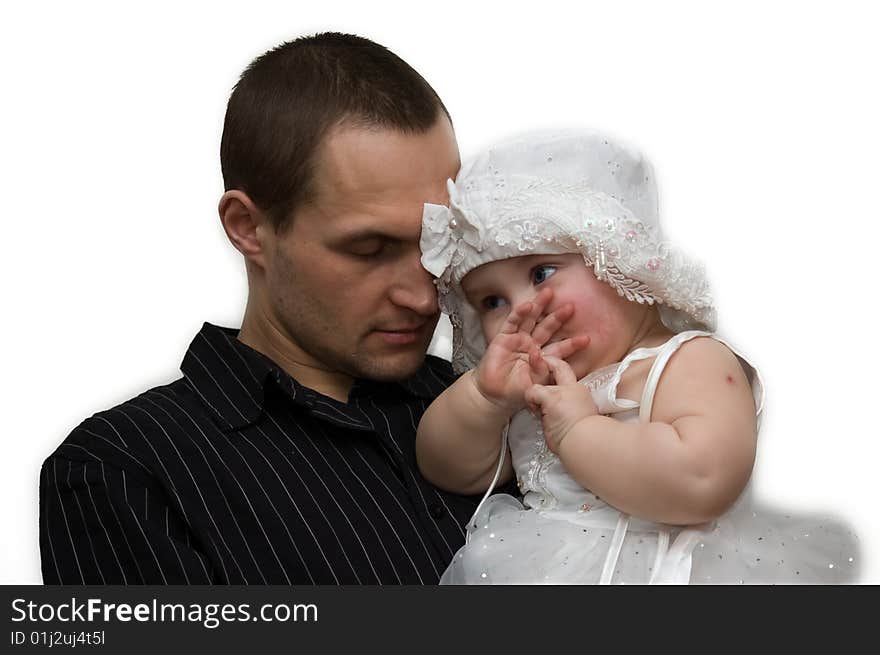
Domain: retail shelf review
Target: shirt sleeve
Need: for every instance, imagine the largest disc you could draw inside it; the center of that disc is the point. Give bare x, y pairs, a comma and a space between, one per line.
101, 525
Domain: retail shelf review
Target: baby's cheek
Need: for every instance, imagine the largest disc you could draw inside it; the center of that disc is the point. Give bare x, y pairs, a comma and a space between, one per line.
599, 330
587, 320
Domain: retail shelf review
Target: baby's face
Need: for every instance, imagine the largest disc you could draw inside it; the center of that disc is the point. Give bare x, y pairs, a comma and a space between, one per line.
599, 312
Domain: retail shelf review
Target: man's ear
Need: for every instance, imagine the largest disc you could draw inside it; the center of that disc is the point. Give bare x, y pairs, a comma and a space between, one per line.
245, 224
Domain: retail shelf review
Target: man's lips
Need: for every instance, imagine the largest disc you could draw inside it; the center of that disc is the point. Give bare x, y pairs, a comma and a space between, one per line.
401, 334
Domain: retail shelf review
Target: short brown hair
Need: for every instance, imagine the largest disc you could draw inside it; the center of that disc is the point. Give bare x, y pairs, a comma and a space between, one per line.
289, 97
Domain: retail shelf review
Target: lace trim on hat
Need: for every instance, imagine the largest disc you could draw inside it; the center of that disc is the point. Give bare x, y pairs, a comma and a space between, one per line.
621, 249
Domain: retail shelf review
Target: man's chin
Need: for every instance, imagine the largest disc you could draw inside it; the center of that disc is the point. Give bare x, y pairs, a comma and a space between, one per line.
390, 365
388, 372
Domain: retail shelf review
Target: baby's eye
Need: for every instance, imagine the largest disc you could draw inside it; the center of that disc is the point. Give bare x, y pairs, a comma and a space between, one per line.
492, 302
541, 273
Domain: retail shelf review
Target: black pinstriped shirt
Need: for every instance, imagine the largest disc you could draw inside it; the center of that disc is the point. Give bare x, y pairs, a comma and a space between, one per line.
237, 474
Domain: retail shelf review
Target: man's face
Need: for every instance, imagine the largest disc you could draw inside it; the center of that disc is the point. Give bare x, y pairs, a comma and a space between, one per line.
344, 281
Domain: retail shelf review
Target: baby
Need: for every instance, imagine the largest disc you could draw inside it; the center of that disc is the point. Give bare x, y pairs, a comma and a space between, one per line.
590, 354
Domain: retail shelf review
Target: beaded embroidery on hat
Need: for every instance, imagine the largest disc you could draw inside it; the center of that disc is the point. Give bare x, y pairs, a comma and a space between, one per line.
560, 193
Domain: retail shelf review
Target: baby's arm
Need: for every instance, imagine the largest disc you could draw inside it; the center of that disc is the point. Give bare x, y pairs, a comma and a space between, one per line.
459, 437
688, 465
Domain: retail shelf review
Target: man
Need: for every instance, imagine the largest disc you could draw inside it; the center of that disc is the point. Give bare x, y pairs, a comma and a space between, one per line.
285, 453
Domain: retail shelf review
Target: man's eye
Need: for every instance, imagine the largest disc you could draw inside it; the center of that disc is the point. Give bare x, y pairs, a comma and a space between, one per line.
541, 273
492, 302
368, 249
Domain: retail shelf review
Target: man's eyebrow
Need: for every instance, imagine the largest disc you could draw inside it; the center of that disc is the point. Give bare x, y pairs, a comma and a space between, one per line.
368, 233
364, 235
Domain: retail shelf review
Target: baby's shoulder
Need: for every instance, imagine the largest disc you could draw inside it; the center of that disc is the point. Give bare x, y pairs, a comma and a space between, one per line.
702, 356
703, 372
698, 367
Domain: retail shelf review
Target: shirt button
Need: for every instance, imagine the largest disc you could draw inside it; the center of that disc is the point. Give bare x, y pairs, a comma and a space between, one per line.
437, 511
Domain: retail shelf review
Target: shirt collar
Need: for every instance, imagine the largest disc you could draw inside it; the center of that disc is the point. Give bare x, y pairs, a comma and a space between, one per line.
228, 376
430, 380
232, 379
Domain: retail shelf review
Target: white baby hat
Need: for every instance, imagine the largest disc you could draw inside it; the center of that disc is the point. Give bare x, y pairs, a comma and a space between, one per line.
560, 192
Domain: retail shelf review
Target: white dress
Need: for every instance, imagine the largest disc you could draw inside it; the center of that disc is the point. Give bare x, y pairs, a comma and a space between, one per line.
563, 534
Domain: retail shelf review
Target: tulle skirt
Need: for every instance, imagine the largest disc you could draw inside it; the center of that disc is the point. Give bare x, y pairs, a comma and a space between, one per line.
511, 544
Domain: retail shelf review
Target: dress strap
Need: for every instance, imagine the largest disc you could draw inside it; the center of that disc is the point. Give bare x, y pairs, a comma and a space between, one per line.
614, 549
634, 356
472, 523
662, 353
666, 351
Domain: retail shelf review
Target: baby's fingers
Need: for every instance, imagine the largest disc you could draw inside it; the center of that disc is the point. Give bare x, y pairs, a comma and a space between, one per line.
542, 300
567, 347
531, 311
517, 343
562, 372
511, 323
536, 395
540, 370
550, 324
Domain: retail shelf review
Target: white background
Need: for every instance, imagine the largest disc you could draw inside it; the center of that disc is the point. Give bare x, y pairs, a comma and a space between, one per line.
760, 119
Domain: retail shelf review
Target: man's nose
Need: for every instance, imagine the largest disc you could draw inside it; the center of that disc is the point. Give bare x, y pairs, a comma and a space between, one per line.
414, 287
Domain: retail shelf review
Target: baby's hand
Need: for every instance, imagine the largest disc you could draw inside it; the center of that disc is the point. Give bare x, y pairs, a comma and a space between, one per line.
513, 361
562, 404
544, 328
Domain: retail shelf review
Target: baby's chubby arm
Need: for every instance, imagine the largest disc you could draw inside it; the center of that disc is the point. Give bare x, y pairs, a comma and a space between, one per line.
688, 465
459, 437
